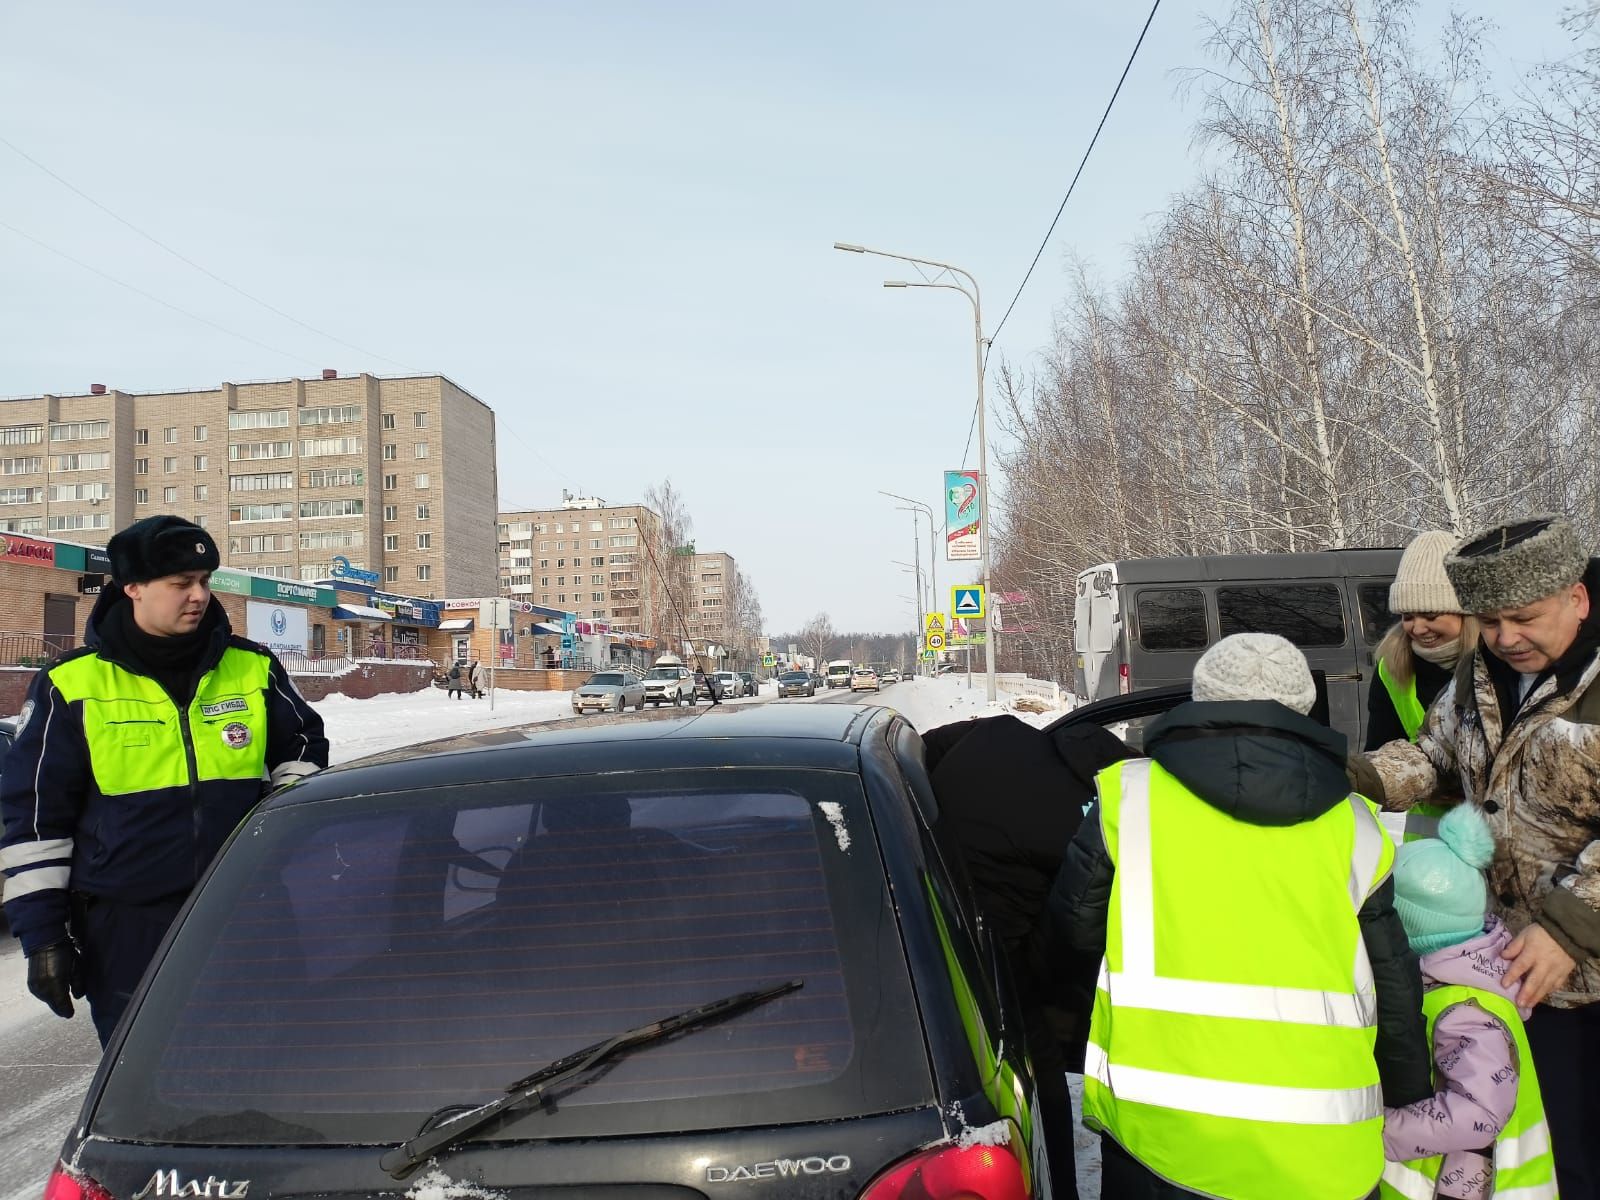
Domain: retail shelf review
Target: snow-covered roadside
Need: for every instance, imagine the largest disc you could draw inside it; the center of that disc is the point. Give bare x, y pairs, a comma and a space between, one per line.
930, 703
360, 727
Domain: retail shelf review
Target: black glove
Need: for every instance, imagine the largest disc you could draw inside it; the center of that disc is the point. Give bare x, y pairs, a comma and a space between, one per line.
55, 975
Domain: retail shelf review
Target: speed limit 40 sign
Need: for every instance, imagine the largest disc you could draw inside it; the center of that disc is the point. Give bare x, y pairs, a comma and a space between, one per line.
935, 640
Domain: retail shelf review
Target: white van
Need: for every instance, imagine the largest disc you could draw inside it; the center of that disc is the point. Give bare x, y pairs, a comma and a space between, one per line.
839, 672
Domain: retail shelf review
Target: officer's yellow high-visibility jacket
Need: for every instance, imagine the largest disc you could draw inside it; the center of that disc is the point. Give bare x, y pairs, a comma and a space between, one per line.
1239, 897
115, 790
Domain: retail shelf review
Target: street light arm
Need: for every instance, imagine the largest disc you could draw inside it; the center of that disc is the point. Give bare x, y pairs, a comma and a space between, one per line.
851, 248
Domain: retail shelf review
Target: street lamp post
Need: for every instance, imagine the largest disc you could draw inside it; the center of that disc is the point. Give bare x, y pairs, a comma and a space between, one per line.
933, 543
947, 271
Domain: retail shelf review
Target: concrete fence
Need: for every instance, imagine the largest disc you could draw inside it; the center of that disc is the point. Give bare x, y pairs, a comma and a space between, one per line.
1016, 684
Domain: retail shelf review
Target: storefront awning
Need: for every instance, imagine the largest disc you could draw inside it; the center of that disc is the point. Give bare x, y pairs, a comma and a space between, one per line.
359, 612
457, 625
546, 627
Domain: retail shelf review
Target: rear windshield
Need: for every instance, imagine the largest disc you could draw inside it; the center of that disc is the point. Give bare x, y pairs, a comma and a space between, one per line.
353, 966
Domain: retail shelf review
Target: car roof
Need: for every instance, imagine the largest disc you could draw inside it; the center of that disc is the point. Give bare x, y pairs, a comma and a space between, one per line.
821, 737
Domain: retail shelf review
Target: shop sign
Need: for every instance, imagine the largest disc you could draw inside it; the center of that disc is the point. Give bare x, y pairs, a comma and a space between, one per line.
263, 588
25, 550
234, 583
408, 609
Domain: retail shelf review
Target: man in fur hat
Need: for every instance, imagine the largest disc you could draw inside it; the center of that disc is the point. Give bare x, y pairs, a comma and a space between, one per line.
137, 755
1517, 732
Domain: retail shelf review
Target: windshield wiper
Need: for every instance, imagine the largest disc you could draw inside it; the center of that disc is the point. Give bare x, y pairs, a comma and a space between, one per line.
400, 1161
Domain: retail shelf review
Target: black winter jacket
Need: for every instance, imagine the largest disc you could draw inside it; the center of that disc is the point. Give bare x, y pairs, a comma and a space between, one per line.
1259, 762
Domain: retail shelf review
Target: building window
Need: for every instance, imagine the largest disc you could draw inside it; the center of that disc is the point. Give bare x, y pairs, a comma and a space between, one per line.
170, 434
329, 539
424, 572
202, 491
596, 526
424, 541
201, 462
390, 452
21, 435
421, 481
260, 512
24, 495
274, 418
544, 581
79, 431
247, 451
169, 466
422, 449
260, 483
22, 524
597, 598
391, 512
336, 477
169, 495
141, 437
141, 495
74, 491
341, 414
80, 462
79, 521
391, 541
21, 466
141, 466
390, 482
201, 520
321, 447
201, 433
318, 509
422, 512
391, 574
421, 420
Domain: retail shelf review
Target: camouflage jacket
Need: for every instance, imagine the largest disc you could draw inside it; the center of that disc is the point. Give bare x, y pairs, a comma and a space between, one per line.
1537, 780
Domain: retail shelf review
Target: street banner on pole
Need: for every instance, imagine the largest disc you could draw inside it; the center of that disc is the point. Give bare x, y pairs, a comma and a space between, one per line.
963, 517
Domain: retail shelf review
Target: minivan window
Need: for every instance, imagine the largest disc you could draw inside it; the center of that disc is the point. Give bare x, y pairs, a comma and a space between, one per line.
1308, 614
1376, 619
1172, 619
351, 968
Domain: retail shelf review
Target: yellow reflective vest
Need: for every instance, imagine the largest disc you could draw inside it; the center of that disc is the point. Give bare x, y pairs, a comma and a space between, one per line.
1231, 1045
1422, 820
1523, 1166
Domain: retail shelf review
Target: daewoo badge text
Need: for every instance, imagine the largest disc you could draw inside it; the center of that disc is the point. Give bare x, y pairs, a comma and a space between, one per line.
778, 1168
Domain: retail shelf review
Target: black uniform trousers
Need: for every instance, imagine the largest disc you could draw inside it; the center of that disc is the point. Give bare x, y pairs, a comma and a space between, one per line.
116, 942
1566, 1053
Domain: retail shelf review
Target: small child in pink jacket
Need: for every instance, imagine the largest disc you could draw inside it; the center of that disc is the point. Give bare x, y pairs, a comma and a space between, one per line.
1441, 898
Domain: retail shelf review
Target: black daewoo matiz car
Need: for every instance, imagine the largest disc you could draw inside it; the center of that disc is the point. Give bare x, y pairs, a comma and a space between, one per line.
718, 956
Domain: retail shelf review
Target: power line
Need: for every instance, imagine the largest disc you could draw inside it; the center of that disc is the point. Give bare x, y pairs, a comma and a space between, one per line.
1075, 176
187, 261
156, 299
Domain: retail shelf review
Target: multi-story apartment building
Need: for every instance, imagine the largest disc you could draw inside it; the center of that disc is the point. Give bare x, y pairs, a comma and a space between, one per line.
395, 475
712, 600
587, 557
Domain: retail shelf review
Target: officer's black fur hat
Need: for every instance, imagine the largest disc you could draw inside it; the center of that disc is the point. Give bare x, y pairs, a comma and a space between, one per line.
160, 546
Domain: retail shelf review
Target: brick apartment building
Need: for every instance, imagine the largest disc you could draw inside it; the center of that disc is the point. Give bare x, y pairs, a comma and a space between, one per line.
396, 475
586, 557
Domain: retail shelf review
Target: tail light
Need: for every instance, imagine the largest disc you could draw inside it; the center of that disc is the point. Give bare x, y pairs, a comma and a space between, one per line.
954, 1173
67, 1185
1124, 679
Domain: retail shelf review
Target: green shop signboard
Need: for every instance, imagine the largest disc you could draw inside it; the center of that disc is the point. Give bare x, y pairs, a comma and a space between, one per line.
261, 588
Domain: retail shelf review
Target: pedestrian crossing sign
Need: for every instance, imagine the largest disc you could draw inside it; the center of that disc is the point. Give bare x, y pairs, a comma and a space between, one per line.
966, 601
933, 623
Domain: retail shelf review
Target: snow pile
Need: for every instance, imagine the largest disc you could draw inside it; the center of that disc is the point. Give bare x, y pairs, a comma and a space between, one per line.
436, 1185
930, 703
360, 727
996, 1133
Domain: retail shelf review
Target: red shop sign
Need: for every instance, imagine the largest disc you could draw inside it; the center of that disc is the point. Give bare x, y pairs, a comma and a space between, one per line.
21, 549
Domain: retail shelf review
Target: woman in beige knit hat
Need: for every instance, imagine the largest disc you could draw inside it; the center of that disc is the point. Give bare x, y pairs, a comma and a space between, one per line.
1417, 658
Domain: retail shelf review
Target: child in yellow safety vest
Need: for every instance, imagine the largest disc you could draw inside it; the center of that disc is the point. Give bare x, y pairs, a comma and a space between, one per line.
1483, 1132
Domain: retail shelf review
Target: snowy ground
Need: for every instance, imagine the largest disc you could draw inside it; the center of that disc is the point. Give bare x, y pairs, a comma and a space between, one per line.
46, 1063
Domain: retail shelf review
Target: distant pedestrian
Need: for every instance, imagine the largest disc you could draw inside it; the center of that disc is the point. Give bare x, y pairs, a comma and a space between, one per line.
478, 678
1257, 1002
135, 758
1519, 737
455, 681
1482, 1133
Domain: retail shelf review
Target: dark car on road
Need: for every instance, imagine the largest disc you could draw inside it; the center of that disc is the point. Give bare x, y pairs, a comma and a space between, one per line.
724, 955
796, 683
751, 687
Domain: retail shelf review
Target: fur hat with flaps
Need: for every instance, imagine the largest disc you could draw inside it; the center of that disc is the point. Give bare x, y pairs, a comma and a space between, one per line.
1514, 564
156, 547
1438, 882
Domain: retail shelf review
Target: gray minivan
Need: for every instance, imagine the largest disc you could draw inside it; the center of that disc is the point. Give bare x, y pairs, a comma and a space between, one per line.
1144, 622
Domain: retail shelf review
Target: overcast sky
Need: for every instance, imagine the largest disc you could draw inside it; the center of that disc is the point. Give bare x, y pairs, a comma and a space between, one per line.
610, 222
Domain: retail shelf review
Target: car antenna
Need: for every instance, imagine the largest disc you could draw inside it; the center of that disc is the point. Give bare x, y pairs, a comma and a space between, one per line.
655, 566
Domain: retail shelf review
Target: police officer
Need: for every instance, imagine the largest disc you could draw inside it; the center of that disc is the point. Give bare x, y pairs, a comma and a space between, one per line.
136, 756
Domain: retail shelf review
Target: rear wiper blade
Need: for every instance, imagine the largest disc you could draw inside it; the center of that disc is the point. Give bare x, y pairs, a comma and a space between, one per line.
400, 1161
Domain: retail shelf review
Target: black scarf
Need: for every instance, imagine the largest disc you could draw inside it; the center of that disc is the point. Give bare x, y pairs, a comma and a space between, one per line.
173, 662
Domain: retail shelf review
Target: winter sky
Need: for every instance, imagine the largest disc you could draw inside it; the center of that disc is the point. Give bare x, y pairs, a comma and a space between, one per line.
611, 222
